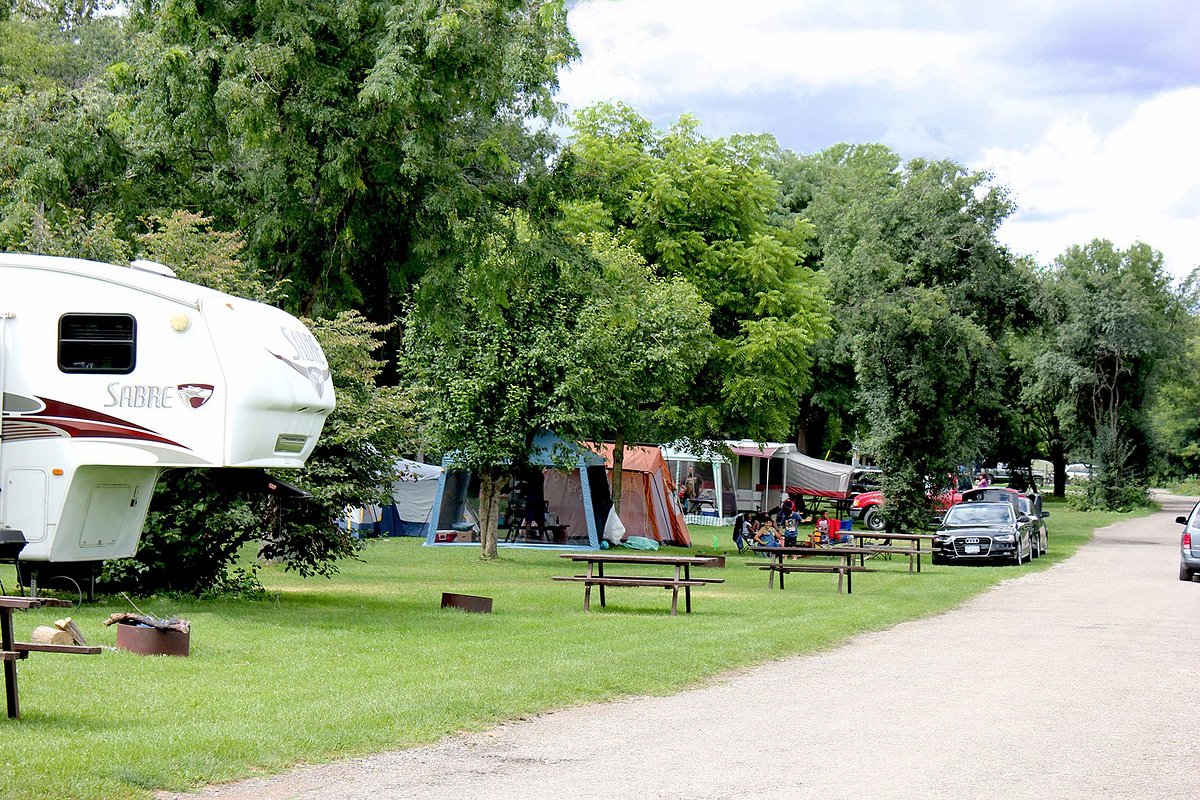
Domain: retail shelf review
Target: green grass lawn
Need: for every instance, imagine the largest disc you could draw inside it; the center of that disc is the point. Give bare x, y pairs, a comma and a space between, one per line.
367, 660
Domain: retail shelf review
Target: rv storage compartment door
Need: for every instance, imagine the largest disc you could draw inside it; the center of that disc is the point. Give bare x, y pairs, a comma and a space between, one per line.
25, 499
106, 511
102, 514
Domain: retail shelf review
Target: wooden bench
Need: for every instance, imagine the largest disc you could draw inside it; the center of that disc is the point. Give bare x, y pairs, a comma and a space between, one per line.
13, 651
679, 566
38, 647
887, 539
673, 584
842, 570
880, 550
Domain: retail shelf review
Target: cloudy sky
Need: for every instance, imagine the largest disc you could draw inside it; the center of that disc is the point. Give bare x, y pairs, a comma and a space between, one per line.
1088, 110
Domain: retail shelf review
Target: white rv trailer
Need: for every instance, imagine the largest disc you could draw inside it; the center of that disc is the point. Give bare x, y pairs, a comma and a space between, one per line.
110, 374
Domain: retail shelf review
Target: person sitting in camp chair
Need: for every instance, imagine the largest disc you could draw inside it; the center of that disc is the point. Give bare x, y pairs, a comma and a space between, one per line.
743, 531
767, 535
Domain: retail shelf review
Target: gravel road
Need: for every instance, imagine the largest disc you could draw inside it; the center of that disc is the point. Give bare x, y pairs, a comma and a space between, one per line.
1075, 682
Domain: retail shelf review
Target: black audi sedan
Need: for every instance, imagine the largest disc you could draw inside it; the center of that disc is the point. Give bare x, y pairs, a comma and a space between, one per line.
974, 532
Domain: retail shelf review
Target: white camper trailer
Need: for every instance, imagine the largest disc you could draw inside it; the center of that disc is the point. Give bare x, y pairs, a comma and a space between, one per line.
109, 375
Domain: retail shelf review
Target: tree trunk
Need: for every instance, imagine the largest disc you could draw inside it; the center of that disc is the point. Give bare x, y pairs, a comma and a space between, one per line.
802, 436
1058, 457
810, 431
618, 470
490, 484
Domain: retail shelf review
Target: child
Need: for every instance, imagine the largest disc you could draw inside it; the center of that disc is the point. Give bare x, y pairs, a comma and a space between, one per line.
786, 507
821, 531
791, 527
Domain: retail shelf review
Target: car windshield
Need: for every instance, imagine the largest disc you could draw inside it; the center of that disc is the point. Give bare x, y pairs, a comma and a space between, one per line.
980, 514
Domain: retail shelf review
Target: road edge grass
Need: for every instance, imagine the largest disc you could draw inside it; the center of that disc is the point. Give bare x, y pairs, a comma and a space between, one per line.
322, 670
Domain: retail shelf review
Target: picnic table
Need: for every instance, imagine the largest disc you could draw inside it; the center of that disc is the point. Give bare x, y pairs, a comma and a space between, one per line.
549, 533
680, 579
913, 550
12, 651
780, 564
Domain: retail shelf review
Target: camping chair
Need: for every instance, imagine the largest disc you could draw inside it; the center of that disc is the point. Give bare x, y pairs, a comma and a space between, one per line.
816, 540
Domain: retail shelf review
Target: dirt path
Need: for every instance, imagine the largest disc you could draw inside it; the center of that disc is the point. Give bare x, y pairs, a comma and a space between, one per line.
1076, 682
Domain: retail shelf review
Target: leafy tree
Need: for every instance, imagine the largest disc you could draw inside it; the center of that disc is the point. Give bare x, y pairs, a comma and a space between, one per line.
61, 166
61, 163
491, 361
700, 209
1176, 413
571, 335
882, 226
1042, 404
636, 349
1118, 325
64, 45
916, 362
924, 292
352, 143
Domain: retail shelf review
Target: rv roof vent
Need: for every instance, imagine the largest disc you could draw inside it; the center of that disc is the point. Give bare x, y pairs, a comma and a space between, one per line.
143, 265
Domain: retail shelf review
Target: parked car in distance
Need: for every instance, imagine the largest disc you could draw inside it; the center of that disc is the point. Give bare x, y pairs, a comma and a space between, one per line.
1041, 534
983, 531
1078, 472
1189, 544
864, 479
999, 472
992, 494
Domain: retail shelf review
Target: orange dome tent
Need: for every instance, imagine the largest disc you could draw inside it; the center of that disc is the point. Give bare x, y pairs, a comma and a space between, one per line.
649, 505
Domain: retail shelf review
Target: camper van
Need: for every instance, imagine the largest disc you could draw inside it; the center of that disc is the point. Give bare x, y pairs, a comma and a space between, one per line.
111, 374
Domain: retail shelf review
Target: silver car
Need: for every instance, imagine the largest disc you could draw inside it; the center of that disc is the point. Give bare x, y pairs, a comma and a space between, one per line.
1041, 534
1189, 544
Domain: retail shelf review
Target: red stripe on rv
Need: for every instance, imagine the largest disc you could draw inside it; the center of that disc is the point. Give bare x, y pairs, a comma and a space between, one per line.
86, 429
59, 409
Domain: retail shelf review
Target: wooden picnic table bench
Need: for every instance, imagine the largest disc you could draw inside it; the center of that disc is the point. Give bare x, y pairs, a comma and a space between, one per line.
681, 579
846, 569
842, 570
913, 551
12, 651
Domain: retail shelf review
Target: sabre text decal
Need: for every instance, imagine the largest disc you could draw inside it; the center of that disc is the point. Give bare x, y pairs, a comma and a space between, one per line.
306, 346
142, 395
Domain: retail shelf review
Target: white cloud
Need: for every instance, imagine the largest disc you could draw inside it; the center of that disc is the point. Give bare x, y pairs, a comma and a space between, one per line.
641, 52
1141, 180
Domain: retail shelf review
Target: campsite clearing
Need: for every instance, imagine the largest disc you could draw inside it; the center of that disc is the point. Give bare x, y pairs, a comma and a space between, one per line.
260, 691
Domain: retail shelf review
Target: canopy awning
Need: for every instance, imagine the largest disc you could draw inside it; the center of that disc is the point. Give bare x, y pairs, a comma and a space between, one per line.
752, 449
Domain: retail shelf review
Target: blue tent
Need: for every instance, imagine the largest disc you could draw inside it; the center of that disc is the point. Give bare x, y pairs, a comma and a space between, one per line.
576, 501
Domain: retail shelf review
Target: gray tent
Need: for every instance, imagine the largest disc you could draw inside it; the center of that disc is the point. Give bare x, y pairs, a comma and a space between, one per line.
414, 491
805, 475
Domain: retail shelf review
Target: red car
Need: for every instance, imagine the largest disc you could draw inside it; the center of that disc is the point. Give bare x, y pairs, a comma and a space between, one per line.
868, 507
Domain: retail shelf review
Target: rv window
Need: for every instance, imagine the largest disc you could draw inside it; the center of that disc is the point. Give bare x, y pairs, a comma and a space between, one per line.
97, 343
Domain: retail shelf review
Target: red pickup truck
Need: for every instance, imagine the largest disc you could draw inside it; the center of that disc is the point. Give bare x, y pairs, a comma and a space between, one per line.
868, 507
